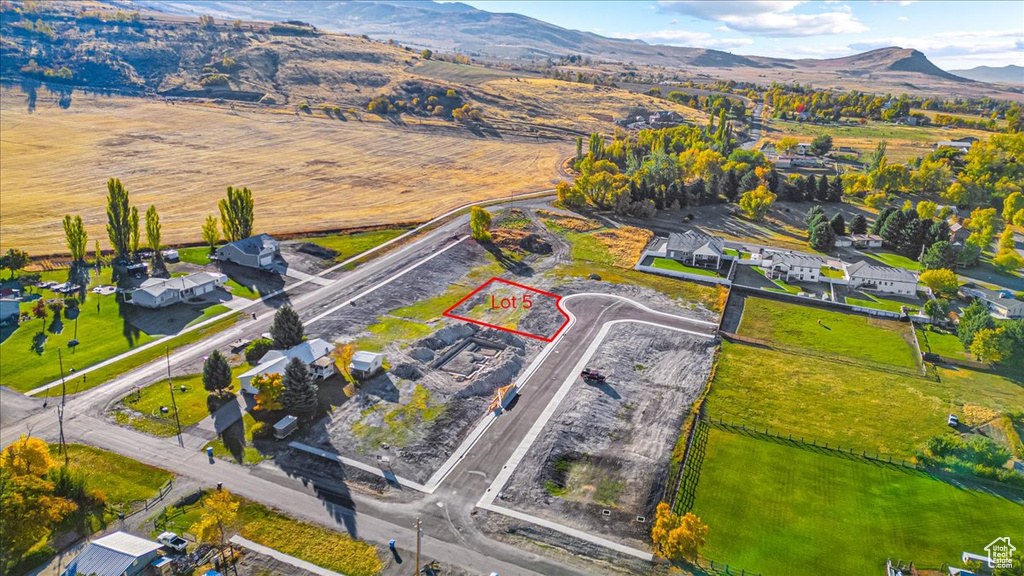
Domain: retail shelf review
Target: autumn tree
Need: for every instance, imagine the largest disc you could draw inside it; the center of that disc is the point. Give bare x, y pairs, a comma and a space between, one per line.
39, 310
153, 231
342, 355
287, 329
216, 372
1008, 260
119, 228
1013, 209
300, 393
269, 388
677, 537
236, 214
480, 224
786, 145
940, 281
990, 345
974, 318
569, 195
757, 202
219, 510
983, 227
76, 237
211, 234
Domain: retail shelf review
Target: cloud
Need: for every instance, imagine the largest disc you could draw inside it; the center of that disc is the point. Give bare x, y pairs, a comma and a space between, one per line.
674, 22
903, 19
687, 38
769, 17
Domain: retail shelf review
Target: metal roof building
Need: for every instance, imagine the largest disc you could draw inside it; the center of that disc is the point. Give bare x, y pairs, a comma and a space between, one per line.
117, 554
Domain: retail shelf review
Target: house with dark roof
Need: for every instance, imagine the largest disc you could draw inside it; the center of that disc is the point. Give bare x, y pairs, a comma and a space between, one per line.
163, 292
792, 267
117, 554
958, 233
865, 275
696, 248
255, 251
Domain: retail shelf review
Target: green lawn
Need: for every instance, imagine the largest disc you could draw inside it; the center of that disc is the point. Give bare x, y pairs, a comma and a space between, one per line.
669, 264
782, 286
349, 245
121, 479
197, 255
829, 272
895, 260
101, 332
879, 303
389, 329
250, 455
191, 404
586, 247
711, 297
861, 408
773, 507
941, 343
827, 331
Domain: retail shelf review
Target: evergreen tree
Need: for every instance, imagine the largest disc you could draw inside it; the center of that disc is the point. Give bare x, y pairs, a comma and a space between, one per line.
823, 188
883, 216
835, 190
914, 239
893, 229
216, 372
938, 256
822, 236
974, 318
299, 396
859, 224
711, 188
813, 214
118, 218
937, 232
287, 329
749, 181
731, 186
838, 224
810, 188
773, 181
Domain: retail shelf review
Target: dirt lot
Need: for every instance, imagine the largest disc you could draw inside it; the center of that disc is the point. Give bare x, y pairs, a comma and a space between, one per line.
608, 445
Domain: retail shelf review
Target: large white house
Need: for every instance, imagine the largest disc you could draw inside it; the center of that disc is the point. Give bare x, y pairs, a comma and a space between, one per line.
790, 267
878, 278
255, 251
163, 292
696, 248
315, 353
1000, 303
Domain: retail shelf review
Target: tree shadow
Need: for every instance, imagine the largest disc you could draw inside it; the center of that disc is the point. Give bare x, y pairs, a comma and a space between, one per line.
233, 437
514, 266
38, 343
56, 324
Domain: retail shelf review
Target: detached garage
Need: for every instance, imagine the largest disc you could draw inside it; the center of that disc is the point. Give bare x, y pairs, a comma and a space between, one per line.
255, 251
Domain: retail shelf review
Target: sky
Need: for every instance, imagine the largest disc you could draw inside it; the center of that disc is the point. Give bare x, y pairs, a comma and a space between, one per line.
953, 34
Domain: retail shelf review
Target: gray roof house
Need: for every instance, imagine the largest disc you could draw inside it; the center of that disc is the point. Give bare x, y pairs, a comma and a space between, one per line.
878, 278
162, 292
791, 266
999, 302
255, 251
117, 554
695, 248
312, 352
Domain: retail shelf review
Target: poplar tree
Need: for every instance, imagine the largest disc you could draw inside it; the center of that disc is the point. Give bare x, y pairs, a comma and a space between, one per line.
118, 218
236, 214
76, 236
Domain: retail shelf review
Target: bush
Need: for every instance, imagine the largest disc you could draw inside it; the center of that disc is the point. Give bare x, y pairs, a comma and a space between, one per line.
257, 349
260, 430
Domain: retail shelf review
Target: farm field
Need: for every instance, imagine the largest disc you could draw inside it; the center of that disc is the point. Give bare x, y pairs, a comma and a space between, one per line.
772, 506
832, 333
855, 407
306, 172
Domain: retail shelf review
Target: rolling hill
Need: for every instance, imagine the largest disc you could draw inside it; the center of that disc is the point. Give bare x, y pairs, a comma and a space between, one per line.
1010, 74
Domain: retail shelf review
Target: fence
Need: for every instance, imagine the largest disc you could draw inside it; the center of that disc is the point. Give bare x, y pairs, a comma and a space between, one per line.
140, 505
682, 275
827, 304
161, 520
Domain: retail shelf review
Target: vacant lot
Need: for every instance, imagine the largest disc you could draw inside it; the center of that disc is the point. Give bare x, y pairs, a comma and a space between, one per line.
307, 173
830, 332
609, 445
772, 506
141, 409
122, 480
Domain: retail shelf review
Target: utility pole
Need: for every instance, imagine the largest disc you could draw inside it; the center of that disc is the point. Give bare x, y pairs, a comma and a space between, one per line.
419, 531
174, 405
60, 407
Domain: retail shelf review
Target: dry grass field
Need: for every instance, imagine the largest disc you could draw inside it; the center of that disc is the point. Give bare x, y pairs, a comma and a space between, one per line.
307, 172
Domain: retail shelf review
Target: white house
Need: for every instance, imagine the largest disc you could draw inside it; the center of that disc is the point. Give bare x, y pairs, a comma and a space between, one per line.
803, 148
860, 240
962, 146
789, 266
312, 352
162, 292
117, 554
696, 248
365, 364
1000, 303
878, 278
254, 251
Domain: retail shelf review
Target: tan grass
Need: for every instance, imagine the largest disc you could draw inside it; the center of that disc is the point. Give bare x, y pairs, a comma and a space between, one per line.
307, 173
574, 223
974, 415
625, 244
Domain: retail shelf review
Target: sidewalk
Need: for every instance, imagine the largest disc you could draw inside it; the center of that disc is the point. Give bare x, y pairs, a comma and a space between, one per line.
280, 556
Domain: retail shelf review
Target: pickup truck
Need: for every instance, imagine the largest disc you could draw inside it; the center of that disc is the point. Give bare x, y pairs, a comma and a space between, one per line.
173, 541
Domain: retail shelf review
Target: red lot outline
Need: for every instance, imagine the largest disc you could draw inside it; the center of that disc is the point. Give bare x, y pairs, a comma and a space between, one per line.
558, 305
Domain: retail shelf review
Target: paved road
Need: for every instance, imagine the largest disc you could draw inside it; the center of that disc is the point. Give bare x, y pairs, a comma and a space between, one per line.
754, 131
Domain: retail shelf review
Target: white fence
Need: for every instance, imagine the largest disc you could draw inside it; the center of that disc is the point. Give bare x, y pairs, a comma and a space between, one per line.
684, 275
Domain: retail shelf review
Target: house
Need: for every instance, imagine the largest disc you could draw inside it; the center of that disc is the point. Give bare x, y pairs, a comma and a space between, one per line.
878, 278
790, 266
118, 554
860, 240
803, 148
365, 364
254, 251
665, 118
999, 302
312, 352
9, 311
163, 292
783, 162
696, 248
961, 145
958, 233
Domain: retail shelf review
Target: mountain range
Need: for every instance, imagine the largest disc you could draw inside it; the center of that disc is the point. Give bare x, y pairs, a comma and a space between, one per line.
1005, 74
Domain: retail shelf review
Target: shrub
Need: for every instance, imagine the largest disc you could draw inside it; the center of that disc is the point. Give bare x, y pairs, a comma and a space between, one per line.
260, 430
257, 349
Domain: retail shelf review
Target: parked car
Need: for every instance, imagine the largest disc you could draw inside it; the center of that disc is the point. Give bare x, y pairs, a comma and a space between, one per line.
953, 421
173, 541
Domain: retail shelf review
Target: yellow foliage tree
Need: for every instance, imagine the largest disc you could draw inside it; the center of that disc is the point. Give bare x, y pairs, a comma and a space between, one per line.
941, 281
342, 355
28, 456
219, 511
269, 388
677, 537
757, 202
990, 345
480, 224
786, 145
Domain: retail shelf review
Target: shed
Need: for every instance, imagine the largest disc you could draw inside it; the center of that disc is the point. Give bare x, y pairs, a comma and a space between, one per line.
285, 426
117, 554
366, 364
